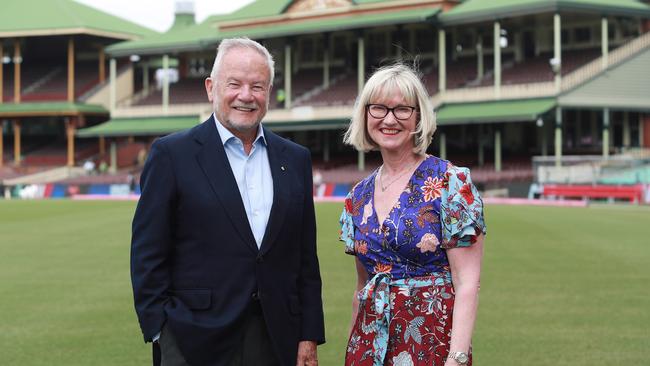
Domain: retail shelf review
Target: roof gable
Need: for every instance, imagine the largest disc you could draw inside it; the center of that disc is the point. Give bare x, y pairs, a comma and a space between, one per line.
18, 18
273, 21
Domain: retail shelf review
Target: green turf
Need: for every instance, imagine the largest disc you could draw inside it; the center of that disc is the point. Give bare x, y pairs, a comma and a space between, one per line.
560, 286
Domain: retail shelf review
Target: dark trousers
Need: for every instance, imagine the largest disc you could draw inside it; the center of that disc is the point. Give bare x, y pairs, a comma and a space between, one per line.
255, 348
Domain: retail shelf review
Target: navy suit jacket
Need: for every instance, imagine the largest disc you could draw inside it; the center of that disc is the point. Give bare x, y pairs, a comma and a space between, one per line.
194, 262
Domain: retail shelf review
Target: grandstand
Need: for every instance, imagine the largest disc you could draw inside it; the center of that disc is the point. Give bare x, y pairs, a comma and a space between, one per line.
53, 60
509, 80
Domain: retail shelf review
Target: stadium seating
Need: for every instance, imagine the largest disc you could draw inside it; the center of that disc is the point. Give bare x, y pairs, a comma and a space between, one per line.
632, 193
538, 69
56, 153
44, 82
342, 91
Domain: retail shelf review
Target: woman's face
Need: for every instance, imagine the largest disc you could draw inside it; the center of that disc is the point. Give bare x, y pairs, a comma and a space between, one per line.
392, 133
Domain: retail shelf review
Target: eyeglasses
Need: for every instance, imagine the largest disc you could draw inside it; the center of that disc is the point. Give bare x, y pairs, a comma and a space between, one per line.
400, 112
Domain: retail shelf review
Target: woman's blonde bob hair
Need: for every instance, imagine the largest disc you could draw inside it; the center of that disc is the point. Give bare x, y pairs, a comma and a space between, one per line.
380, 85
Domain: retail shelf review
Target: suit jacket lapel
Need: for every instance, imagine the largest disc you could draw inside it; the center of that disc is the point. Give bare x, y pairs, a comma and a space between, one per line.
214, 163
279, 170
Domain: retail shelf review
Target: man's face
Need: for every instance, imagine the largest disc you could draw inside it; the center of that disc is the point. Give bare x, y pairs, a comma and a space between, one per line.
239, 93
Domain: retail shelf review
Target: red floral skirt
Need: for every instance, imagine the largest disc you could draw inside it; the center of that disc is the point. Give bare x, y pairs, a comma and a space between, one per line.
418, 332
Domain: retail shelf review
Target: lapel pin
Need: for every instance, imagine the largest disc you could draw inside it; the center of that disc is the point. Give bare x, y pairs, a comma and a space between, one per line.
282, 167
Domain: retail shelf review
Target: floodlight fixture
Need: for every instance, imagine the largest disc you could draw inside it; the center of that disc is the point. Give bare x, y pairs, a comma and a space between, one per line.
556, 64
503, 42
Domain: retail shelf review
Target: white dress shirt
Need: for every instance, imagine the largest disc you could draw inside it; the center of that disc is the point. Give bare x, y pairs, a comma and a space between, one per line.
253, 175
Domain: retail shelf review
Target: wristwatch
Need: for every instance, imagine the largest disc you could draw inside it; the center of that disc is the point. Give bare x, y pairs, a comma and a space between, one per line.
460, 357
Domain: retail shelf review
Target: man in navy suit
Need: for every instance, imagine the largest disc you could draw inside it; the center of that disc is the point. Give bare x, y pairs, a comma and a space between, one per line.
223, 253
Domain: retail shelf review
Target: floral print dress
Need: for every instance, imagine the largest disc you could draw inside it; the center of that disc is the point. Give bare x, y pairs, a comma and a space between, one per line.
405, 309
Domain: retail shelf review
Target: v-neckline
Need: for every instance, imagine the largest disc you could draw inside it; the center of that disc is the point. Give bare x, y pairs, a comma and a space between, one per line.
399, 197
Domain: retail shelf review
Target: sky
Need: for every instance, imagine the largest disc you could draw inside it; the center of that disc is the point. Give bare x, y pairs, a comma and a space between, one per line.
159, 14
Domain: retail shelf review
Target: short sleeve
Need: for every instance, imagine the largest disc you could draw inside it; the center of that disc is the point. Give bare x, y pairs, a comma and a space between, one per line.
347, 226
461, 209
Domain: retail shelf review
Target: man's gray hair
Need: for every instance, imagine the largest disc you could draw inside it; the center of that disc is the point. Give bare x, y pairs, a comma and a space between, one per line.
243, 42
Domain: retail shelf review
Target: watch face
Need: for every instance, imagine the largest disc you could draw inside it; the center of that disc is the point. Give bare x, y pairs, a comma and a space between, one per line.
462, 358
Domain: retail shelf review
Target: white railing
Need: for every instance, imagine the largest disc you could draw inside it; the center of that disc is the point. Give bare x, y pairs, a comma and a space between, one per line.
597, 66
158, 110
47, 176
519, 91
307, 113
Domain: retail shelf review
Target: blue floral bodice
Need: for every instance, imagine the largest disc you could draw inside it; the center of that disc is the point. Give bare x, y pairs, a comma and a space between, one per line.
439, 208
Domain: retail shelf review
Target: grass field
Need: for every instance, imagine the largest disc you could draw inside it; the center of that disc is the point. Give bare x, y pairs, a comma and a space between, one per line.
560, 286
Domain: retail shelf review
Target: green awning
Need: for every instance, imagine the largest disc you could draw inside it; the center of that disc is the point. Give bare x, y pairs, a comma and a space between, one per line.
308, 125
491, 10
524, 110
334, 23
154, 126
47, 109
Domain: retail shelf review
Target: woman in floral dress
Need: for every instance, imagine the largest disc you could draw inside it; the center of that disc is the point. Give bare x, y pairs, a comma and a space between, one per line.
416, 228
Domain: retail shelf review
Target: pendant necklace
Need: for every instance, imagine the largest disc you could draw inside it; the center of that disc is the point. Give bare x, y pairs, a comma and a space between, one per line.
381, 175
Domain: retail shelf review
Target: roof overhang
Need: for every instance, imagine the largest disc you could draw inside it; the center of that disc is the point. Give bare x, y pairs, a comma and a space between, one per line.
308, 125
67, 31
458, 16
521, 110
148, 126
209, 33
50, 109
331, 23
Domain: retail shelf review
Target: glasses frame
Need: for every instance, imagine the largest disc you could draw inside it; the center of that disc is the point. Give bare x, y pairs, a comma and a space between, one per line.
391, 110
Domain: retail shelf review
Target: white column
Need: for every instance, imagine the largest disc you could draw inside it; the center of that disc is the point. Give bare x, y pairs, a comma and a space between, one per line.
361, 67
479, 55
113, 168
287, 76
558, 137
497, 150
165, 84
442, 62
604, 34
361, 161
112, 71
627, 135
443, 146
544, 140
145, 77
497, 59
326, 66
606, 133
557, 47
